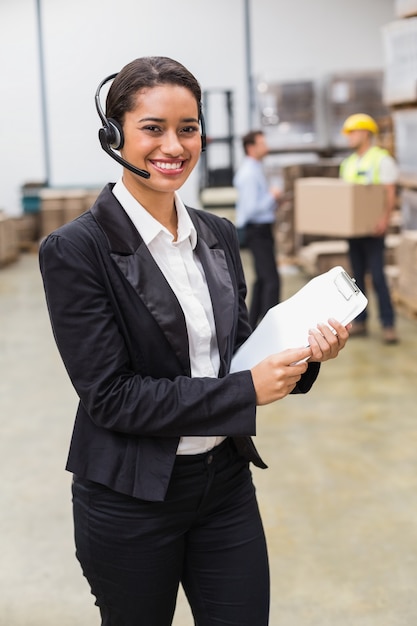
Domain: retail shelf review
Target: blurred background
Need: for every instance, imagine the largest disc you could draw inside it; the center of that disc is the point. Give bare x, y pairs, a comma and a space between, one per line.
295, 70
339, 501
287, 66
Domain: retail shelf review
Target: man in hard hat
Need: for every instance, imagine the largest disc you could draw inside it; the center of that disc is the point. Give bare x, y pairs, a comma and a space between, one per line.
367, 165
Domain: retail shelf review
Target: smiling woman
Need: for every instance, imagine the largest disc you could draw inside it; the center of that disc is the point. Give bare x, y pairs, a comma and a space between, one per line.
136, 123
161, 135
147, 302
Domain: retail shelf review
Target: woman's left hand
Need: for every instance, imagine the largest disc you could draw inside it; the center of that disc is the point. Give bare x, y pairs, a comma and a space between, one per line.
326, 344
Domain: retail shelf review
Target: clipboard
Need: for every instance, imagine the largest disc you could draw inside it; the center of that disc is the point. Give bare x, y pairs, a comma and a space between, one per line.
333, 294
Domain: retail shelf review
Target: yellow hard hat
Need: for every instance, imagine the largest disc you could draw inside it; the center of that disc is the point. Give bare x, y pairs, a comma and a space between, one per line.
360, 121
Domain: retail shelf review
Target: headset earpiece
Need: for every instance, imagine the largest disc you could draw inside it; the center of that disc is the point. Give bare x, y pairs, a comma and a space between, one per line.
114, 134
111, 134
203, 131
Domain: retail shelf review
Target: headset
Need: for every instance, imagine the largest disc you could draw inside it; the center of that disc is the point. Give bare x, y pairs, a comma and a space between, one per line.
111, 134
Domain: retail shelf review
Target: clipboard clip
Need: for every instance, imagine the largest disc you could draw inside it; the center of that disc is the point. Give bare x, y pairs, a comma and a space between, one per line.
346, 285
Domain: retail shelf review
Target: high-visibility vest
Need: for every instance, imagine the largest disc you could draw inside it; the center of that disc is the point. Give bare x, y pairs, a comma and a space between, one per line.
363, 170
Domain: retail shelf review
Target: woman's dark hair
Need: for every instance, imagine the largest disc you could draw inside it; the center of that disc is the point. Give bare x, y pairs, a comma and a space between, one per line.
141, 74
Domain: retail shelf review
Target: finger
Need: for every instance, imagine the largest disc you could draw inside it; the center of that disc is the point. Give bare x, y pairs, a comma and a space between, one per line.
322, 336
295, 355
330, 334
336, 325
317, 344
340, 330
326, 343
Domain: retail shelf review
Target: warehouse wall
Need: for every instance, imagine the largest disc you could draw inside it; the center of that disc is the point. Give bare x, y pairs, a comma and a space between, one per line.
84, 40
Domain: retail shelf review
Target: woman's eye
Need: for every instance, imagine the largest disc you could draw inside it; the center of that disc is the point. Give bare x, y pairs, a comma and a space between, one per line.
190, 129
186, 130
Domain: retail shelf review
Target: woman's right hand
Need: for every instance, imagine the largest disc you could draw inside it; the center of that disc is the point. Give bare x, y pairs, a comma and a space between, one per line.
277, 375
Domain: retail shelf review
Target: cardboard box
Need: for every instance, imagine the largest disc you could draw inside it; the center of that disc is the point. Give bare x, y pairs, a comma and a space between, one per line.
407, 266
27, 230
332, 207
75, 203
9, 250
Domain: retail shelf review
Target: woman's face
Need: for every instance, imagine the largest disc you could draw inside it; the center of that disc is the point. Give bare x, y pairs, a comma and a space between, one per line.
162, 136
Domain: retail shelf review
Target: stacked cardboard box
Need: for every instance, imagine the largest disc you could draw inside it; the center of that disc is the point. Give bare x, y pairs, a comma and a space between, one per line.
408, 209
9, 250
52, 211
57, 208
27, 231
60, 206
400, 92
406, 291
288, 240
400, 87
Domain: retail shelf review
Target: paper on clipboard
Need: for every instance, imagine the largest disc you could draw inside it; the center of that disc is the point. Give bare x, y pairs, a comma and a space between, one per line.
333, 294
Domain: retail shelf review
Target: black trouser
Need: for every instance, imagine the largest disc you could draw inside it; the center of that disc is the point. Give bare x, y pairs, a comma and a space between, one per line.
266, 288
207, 535
367, 254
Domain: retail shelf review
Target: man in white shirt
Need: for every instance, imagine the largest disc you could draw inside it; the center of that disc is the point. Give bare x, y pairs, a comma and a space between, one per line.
256, 212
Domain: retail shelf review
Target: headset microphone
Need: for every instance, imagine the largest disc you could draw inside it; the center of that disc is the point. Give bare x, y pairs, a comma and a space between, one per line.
107, 148
111, 134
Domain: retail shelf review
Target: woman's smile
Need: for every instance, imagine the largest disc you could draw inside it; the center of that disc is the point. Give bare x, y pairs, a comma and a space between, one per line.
169, 167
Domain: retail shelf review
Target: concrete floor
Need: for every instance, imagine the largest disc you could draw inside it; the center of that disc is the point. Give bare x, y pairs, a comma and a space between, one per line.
339, 499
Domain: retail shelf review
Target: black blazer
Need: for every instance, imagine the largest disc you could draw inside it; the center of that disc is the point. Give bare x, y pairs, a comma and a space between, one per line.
122, 336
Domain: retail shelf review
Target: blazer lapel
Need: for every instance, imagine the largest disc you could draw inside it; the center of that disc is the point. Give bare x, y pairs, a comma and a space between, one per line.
148, 281
136, 263
213, 260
